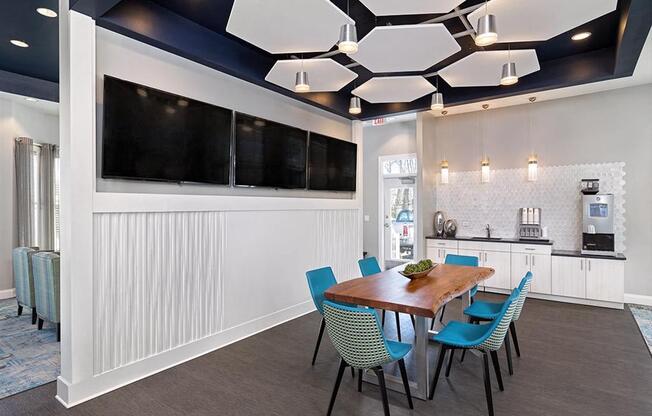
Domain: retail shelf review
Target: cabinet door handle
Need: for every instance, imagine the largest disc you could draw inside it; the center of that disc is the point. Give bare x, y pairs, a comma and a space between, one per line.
581, 265
589, 261
480, 256
527, 261
443, 254
533, 260
485, 257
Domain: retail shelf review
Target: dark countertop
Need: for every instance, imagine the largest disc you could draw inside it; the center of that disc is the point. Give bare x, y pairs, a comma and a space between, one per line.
577, 253
502, 240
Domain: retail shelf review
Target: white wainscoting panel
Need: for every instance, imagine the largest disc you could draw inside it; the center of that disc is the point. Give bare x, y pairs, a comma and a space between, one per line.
339, 242
157, 283
557, 192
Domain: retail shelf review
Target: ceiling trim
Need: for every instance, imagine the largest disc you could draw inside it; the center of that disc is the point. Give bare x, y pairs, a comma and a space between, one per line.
29, 86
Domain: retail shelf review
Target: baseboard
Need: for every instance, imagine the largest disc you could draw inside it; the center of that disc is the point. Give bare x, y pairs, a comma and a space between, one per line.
7, 294
72, 394
638, 299
565, 299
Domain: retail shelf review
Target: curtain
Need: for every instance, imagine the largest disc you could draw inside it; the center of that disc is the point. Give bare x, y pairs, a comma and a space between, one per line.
47, 197
24, 191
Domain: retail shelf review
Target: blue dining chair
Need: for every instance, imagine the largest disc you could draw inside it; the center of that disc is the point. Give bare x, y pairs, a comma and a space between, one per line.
458, 260
369, 266
489, 311
486, 338
358, 336
319, 280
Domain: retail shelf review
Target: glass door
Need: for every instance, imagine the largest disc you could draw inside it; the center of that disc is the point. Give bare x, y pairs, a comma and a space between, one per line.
398, 215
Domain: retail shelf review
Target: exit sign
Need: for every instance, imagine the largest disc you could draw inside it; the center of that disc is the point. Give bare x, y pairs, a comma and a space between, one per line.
378, 121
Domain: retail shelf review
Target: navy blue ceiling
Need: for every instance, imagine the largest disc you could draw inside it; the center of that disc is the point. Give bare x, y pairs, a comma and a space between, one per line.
32, 71
196, 30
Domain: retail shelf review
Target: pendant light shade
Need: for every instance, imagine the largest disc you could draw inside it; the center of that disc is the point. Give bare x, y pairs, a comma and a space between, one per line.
348, 42
355, 107
437, 102
444, 171
532, 168
509, 76
301, 83
485, 171
487, 34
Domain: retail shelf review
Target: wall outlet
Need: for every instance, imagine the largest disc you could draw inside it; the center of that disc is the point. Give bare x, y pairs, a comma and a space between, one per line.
366, 218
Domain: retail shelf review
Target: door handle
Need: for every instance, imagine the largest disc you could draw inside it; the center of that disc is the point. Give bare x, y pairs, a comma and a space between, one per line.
485, 257
527, 261
480, 256
589, 261
533, 260
581, 265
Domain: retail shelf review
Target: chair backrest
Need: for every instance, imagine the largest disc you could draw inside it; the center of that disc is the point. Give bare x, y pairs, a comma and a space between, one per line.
500, 325
319, 280
524, 288
458, 260
46, 269
357, 335
23, 278
369, 266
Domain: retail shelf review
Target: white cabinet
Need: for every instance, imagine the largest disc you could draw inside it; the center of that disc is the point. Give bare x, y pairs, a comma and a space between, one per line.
541, 268
436, 250
520, 266
497, 260
605, 280
535, 259
568, 277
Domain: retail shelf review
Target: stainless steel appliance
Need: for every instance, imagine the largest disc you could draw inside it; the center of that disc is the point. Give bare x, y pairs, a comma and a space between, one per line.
598, 224
439, 223
590, 186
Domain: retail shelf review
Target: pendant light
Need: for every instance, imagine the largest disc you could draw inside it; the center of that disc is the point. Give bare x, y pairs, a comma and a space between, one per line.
437, 102
355, 107
487, 34
301, 83
485, 170
348, 42
509, 76
444, 163
532, 162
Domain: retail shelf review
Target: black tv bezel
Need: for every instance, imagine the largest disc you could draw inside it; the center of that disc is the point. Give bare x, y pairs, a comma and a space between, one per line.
355, 182
161, 180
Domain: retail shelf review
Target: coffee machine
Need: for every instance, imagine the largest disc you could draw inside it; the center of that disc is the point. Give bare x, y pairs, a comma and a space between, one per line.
598, 224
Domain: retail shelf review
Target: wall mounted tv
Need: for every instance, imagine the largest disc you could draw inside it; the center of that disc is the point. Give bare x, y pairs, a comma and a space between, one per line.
154, 135
332, 164
269, 154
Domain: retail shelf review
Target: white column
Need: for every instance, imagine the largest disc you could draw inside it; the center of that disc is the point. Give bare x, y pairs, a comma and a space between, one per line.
77, 108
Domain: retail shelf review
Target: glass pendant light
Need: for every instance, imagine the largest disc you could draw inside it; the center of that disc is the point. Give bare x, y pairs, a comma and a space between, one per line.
532, 162
487, 34
348, 42
509, 76
485, 170
437, 102
301, 83
355, 107
444, 171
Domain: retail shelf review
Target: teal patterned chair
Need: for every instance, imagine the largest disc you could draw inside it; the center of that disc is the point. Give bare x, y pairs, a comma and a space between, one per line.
24, 280
46, 288
486, 338
358, 336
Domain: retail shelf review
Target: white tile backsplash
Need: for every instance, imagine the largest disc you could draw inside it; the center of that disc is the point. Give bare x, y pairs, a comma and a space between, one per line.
556, 192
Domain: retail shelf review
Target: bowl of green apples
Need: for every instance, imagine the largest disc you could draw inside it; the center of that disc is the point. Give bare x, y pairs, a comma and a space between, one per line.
418, 270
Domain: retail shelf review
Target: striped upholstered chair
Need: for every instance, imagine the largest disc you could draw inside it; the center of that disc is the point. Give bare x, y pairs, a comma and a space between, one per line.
46, 288
24, 280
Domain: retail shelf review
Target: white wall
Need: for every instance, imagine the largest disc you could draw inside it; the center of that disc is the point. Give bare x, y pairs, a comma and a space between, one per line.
167, 276
612, 126
389, 139
16, 120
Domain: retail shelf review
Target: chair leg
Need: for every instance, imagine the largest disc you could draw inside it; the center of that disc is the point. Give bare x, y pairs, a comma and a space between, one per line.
512, 328
463, 354
59, 332
398, 325
383, 320
440, 363
20, 309
340, 373
499, 376
406, 383
508, 352
441, 317
450, 362
383, 389
34, 316
360, 380
321, 333
352, 372
40, 323
487, 383
414, 325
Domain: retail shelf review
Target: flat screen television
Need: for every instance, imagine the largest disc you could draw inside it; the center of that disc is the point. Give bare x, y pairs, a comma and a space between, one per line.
269, 154
154, 135
332, 164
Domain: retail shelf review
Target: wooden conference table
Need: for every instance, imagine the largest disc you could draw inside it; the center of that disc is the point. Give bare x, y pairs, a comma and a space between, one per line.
423, 298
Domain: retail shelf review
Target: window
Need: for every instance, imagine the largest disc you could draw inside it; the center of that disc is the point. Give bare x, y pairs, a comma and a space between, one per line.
38, 205
406, 167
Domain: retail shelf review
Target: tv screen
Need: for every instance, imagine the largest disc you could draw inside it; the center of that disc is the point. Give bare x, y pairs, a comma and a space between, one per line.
269, 154
154, 135
332, 164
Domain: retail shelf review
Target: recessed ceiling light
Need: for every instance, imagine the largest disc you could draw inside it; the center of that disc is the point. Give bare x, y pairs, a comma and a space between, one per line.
19, 43
46, 12
31, 99
581, 35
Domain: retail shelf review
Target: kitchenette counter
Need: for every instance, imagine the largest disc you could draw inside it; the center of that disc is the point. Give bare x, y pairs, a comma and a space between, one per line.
577, 253
491, 240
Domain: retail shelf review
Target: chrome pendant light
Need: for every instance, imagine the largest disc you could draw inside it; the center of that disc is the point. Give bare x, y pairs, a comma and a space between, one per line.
485, 169
533, 160
509, 75
437, 102
487, 33
301, 83
355, 107
348, 42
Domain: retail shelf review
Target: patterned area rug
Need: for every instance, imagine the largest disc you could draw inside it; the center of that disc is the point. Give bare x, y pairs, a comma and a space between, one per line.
643, 317
28, 357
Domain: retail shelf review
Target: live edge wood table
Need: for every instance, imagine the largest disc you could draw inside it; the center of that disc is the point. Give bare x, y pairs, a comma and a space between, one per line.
423, 298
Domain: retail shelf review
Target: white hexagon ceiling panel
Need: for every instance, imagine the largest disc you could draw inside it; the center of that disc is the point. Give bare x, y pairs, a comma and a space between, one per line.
394, 89
405, 48
323, 74
538, 20
287, 26
399, 7
483, 69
